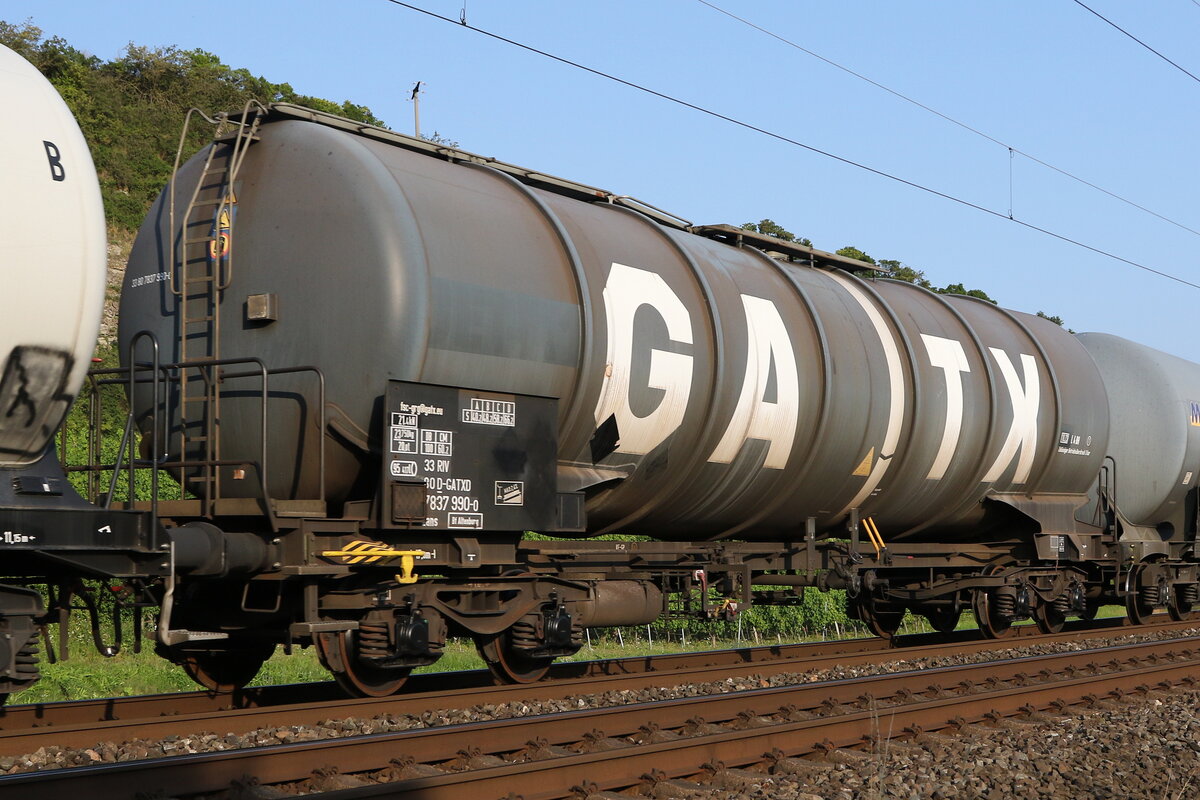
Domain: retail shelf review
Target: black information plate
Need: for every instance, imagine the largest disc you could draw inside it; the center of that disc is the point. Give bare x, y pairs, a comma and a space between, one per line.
488, 460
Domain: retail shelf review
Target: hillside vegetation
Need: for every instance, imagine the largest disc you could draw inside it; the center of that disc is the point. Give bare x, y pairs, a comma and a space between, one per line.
131, 109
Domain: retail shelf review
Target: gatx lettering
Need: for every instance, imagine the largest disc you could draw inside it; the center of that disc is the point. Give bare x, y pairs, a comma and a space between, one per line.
766, 410
768, 401
1024, 393
628, 290
756, 417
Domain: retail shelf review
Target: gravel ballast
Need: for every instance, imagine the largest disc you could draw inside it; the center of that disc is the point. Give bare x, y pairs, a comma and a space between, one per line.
1165, 725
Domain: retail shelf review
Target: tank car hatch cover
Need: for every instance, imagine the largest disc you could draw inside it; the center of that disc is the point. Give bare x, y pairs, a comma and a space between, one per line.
485, 460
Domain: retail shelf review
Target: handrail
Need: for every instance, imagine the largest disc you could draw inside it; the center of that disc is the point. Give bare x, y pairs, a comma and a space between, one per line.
219, 120
134, 378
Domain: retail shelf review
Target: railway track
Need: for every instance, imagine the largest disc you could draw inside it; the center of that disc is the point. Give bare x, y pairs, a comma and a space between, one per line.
713, 738
83, 724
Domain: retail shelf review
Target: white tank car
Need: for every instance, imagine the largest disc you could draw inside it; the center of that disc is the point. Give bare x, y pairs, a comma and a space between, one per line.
52, 259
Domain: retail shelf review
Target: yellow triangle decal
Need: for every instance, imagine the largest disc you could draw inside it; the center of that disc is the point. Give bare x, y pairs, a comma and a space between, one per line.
864, 467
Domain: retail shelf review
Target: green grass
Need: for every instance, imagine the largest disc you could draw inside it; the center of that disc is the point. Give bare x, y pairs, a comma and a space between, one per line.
88, 675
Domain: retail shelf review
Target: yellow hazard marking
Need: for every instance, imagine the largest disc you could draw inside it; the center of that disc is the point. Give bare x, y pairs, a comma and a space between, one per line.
223, 220
219, 247
361, 553
864, 467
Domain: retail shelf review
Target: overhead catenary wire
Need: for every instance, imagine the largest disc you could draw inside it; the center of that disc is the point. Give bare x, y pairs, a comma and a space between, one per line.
901, 96
1136, 39
794, 142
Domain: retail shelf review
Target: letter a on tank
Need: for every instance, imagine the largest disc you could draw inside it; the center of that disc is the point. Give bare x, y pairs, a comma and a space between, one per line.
756, 418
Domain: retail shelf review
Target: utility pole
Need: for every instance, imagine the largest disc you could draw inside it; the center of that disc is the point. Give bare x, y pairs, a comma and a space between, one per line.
416, 101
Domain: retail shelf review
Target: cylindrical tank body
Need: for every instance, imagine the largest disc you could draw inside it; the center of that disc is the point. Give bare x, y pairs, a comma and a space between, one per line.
747, 393
52, 260
1154, 399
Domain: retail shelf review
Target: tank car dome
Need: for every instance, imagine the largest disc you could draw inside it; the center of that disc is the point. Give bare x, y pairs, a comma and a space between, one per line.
52, 265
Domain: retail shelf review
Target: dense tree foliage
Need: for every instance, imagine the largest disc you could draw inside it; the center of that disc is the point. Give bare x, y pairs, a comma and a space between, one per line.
769, 227
903, 272
131, 109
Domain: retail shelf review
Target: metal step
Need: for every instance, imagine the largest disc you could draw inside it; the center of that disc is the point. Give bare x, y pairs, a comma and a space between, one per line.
183, 636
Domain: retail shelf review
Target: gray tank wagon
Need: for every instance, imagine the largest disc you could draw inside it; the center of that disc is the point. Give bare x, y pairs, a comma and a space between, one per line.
1156, 397
384, 360
742, 393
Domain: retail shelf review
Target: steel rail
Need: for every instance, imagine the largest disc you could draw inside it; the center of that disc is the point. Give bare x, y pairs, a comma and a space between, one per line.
17, 718
839, 711
158, 719
552, 779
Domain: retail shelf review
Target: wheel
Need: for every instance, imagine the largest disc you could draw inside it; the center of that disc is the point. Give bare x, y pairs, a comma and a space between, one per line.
943, 619
225, 670
508, 664
1139, 598
339, 655
1048, 618
881, 620
983, 603
1180, 605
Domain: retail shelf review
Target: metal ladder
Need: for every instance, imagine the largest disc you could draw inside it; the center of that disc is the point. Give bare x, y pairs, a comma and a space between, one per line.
201, 270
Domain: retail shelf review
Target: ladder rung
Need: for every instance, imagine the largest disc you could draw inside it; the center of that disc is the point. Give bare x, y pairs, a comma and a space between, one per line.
238, 134
205, 318
202, 240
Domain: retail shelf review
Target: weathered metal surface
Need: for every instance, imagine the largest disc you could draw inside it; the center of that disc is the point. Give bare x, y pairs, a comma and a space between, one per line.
742, 394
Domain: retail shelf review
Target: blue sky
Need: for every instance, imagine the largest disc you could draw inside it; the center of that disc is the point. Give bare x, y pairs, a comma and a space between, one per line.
1046, 77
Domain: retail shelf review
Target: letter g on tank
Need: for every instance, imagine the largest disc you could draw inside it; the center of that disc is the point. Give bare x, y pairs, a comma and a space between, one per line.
627, 291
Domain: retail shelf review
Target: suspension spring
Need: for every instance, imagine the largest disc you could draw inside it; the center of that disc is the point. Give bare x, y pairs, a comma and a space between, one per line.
523, 635
373, 640
1005, 605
